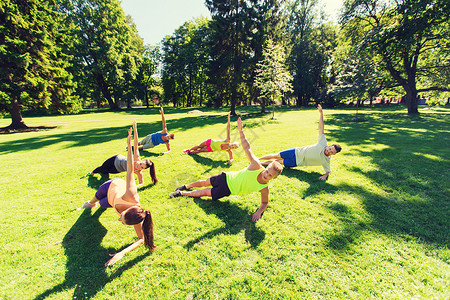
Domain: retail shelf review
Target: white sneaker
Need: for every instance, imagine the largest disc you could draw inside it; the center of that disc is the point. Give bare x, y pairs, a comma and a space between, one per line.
87, 205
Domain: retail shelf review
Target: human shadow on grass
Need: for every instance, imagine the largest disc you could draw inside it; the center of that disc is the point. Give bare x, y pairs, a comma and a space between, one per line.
411, 169
85, 270
312, 178
95, 182
212, 163
235, 218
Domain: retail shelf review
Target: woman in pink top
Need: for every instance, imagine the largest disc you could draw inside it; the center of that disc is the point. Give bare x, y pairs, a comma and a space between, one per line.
123, 197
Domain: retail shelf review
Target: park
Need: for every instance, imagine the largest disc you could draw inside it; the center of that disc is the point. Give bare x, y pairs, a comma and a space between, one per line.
377, 228
255, 81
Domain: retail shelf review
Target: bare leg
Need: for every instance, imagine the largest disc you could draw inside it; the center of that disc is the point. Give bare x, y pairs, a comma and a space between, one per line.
93, 200
196, 148
200, 183
197, 193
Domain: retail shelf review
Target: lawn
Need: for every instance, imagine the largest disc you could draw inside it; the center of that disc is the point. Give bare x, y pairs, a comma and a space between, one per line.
379, 227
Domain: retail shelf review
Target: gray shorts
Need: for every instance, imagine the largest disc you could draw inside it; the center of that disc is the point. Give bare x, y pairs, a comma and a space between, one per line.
147, 142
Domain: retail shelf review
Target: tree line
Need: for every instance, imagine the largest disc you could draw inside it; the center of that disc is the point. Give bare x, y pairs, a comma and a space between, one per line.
63, 55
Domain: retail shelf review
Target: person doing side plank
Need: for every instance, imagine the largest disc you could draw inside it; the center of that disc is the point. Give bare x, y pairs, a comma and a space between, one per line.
118, 164
212, 145
160, 137
251, 179
312, 155
122, 196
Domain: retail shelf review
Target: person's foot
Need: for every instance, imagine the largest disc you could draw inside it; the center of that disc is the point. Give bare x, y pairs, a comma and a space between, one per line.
175, 194
87, 204
182, 188
187, 151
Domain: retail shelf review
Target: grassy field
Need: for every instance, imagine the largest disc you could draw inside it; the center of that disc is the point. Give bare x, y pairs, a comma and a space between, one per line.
378, 228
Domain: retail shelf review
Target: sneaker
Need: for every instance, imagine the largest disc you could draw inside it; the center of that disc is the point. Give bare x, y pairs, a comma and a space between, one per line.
187, 151
87, 205
182, 188
175, 194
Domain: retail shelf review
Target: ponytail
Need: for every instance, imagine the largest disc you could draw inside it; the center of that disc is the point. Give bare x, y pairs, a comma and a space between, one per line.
152, 170
147, 228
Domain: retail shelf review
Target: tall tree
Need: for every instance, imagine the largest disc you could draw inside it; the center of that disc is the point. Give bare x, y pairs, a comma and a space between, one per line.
32, 61
272, 78
402, 33
107, 46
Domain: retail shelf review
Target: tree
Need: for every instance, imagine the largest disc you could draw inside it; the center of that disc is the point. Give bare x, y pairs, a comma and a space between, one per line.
108, 48
32, 61
402, 33
272, 78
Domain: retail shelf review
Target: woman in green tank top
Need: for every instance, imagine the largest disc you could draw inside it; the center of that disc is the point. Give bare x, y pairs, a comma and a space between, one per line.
251, 179
212, 145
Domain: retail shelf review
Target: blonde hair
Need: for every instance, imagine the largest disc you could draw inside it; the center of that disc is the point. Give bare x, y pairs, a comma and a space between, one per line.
276, 166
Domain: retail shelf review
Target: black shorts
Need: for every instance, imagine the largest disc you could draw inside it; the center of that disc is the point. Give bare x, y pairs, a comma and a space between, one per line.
219, 186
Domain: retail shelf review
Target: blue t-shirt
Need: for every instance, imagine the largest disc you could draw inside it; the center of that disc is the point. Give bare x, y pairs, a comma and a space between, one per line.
156, 138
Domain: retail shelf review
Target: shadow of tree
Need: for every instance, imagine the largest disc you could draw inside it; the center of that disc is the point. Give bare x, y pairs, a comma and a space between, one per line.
315, 184
412, 170
85, 270
235, 218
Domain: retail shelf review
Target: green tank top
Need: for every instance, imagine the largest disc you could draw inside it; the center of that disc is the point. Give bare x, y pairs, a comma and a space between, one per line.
216, 145
244, 181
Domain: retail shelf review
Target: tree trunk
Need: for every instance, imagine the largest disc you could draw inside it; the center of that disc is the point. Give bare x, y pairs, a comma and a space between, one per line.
263, 106
16, 117
411, 100
105, 91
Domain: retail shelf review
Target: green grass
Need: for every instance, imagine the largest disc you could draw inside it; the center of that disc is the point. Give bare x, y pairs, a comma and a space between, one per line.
378, 228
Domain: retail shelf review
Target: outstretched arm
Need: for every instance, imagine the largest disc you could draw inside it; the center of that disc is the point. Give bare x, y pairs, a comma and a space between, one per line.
321, 124
136, 142
228, 129
254, 162
168, 148
164, 127
324, 176
118, 256
264, 203
131, 190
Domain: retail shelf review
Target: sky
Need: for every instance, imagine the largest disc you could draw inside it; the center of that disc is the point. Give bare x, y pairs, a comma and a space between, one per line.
155, 19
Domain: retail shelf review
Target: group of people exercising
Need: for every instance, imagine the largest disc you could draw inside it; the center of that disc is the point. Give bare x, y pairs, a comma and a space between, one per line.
122, 195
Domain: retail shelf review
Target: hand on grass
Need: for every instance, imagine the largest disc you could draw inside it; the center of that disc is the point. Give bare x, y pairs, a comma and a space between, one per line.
256, 216
323, 177
115, 258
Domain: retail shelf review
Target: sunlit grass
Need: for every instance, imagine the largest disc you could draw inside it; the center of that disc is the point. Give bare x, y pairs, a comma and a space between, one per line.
378, 228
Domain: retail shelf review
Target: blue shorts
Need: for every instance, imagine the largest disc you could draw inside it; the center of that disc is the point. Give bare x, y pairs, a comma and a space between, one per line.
102, 194
288, 157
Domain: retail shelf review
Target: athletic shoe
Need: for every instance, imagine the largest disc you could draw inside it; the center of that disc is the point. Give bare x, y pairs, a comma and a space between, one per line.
187, 151
175, 194
182, 188
87, 205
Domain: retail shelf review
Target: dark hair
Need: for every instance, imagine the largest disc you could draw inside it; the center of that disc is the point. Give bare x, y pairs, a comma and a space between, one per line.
337, 147
135, 215
151, 165
172, 136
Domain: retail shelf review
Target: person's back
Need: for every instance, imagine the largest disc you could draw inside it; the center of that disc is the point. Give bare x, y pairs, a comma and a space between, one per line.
244, 181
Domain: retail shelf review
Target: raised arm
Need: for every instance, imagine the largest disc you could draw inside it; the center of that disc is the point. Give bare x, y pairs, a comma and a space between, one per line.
131, 190
228, 129
164, 127
254, 162
321, 124
136, 142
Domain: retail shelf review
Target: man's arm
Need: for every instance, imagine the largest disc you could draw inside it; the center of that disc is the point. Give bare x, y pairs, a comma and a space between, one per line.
164, 127
324, 176
321, 124
264, 203
254, 162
